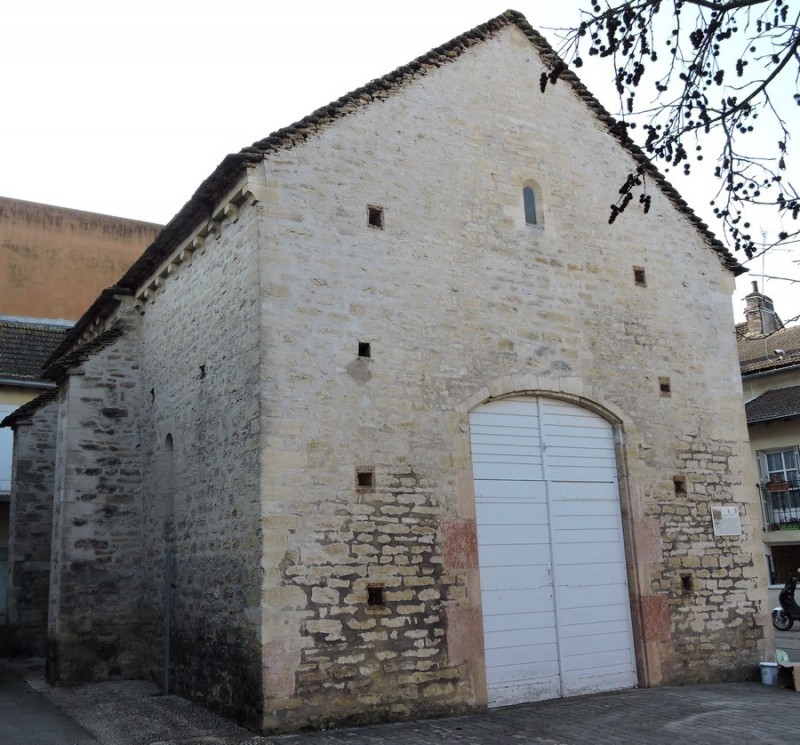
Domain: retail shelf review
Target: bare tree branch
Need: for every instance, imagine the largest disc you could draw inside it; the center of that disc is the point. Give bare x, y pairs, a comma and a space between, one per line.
713, 67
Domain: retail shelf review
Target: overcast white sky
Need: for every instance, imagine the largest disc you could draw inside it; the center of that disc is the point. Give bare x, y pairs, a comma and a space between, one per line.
124, 106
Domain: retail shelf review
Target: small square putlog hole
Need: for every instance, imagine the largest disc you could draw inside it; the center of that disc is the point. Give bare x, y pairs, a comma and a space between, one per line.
680, 485
687, 583
665, 387
364, 349
365, 478
375, 216
375, 595
639, 276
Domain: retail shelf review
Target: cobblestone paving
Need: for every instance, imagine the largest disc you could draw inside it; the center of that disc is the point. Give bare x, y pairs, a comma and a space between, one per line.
133, 713
726, 714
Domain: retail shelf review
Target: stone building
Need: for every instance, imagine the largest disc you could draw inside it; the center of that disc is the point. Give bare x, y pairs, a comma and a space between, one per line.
769, 355
53, 262
389, 422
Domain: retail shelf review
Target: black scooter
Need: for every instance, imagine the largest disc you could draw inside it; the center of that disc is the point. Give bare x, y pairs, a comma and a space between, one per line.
784, 616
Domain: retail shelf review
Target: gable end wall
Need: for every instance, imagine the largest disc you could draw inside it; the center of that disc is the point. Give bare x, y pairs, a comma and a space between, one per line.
462, 301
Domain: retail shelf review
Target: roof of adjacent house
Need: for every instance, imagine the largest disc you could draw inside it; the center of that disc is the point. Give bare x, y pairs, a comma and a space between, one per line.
24, 411
779, 403
230, 170
24, 348
757, 353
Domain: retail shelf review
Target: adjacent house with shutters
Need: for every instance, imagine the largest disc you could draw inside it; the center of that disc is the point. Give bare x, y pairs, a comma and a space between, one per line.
389, 422
769, 355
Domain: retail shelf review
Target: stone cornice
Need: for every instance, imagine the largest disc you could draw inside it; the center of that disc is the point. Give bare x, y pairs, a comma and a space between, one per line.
146, 277
249, 190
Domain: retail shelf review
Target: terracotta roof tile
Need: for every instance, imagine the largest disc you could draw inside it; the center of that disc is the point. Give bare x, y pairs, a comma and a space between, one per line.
757, 354
24, 348
779, 403
57, 367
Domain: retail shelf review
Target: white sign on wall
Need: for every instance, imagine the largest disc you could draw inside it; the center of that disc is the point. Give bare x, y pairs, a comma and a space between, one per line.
726, 521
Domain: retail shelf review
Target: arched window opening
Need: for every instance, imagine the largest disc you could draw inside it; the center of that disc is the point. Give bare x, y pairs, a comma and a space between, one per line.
529, 200
169, 464
166, 477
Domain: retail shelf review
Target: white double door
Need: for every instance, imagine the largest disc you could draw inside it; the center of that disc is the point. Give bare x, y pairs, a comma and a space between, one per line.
556, 611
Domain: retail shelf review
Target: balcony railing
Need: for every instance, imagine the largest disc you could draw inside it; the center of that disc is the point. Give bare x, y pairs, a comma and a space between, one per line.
781, 504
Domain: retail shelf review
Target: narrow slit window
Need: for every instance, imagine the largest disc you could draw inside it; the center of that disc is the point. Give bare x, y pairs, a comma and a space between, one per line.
529, 200
375, 216
375, 595
365, 479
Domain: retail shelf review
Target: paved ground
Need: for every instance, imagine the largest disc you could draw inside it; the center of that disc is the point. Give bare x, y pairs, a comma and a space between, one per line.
28, 718
789, 641
132, 713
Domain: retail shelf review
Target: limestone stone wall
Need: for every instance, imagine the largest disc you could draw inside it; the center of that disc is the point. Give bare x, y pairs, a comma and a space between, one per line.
401, 226
200, 446
263, 469
706, 582
95, 585
30, 529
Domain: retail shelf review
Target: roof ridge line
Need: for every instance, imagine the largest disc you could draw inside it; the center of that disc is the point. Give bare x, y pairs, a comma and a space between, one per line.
364, 94
230, 168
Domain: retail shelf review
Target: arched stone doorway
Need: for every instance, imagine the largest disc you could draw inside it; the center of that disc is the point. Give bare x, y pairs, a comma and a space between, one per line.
554, 592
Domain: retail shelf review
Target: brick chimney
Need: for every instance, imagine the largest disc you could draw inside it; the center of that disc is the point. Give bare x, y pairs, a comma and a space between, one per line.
760, 314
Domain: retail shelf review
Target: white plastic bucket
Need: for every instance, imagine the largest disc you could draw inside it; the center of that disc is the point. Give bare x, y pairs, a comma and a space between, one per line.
769, 673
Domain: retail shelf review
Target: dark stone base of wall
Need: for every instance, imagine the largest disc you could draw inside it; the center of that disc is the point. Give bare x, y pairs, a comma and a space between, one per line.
220, 669
298, 720
90, 658
699, 675
15, 642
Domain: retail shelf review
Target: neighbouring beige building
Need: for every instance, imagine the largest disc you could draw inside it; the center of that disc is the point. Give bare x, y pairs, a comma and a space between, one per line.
769, 355
389, 422
54, 262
